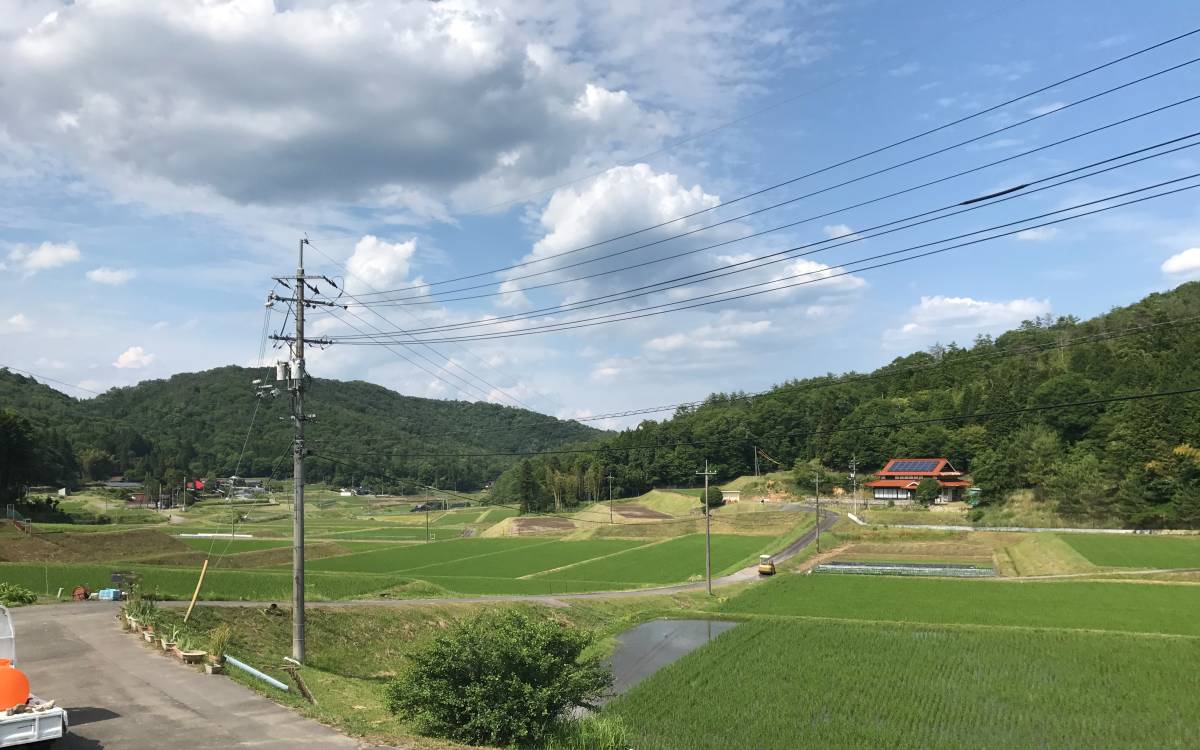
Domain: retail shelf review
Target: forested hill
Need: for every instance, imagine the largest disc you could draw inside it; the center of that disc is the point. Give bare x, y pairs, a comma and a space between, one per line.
1136, 460
195, 423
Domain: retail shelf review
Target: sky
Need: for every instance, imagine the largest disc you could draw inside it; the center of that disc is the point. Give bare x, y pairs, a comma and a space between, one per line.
159, 163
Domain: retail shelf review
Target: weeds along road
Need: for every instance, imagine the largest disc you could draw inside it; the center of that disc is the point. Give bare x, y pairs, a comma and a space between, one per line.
121, 695
745, 575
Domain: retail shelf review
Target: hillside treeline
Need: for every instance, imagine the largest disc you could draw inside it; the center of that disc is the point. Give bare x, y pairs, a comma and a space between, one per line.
1138, 461
195, 425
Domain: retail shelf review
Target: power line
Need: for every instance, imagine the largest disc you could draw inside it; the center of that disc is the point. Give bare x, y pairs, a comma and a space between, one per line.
52, 380
886, 372
801, 433
432, 298
486, 394
859, 157
878, 230
741, 293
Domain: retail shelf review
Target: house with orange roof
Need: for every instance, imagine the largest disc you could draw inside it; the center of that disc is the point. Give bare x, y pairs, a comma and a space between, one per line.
898, 480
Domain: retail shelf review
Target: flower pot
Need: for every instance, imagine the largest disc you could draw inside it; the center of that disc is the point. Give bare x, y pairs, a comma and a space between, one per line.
146, 634
167, 645
211, 668
192, 657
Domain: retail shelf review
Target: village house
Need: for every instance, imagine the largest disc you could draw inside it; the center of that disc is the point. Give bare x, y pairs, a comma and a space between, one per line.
899, 479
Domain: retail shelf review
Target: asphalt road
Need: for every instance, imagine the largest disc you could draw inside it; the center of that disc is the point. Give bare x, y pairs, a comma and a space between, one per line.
120, 695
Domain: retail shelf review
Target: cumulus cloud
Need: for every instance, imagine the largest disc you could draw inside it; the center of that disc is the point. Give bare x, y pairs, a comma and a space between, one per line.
19, 323
726, 335
358, 101
837, 231
110, 276
134, 358
45, 256
946, 319
1183, 265
379, 264
1046, 109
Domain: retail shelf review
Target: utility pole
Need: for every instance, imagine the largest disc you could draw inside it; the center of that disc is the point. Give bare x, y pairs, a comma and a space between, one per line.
297, 388
707, 528
817, 488
295, 374
854, 482
756, 461
610, 510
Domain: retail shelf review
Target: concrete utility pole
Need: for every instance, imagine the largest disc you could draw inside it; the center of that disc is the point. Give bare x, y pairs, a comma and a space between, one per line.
817, 489
707, 528
610, 510
297, 388
756, 461
854, 482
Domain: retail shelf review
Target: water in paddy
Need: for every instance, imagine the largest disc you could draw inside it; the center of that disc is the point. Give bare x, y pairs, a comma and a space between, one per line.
649, 647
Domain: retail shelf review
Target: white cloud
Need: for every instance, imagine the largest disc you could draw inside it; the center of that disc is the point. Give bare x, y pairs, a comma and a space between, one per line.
907, 69
19, 323
1046, 109
134, 358
1183, 265
377, 264
946, 319
836, 231
1038, 234
45, 256
110, 276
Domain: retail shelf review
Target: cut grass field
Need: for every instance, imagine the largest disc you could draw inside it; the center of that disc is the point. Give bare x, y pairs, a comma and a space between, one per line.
1089, 605
1137, 551
232, 546
905, 686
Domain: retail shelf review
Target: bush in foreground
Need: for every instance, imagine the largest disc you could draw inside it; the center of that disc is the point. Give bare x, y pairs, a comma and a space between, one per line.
499, 678
592, 732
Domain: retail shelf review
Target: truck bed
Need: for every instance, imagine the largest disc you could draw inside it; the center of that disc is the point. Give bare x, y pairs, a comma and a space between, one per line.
44, 725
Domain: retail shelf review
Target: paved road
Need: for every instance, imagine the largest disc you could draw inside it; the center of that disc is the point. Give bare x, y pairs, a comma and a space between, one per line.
123, 696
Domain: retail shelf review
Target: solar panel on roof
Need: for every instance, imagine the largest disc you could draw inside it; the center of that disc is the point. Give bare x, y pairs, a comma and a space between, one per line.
920, 465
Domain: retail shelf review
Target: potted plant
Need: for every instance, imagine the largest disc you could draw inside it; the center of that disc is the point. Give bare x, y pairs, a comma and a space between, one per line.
218, 644
189, 652
171, 638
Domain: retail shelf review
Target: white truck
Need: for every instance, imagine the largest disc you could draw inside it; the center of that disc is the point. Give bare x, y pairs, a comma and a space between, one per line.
38, 723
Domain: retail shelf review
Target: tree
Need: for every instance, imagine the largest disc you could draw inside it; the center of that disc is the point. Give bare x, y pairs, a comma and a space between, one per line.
928, 491
500, 678
715, 498
16, 455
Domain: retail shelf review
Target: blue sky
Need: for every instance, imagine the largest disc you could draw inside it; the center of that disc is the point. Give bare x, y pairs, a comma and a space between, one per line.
158, 163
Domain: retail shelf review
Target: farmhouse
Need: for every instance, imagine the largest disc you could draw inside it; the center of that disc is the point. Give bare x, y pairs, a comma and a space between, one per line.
898, 480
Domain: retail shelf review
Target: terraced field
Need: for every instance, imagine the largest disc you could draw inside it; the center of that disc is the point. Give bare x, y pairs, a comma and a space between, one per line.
668, 562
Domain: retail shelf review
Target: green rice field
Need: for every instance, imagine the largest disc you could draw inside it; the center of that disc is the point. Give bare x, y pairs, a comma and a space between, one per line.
675, 560
1137, 551
782, 684
1093, 605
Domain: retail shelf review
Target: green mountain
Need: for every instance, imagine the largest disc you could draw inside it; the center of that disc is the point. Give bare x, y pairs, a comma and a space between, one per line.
196, 423
1135, 460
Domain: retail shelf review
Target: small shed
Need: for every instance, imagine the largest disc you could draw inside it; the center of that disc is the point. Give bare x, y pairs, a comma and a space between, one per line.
731, 496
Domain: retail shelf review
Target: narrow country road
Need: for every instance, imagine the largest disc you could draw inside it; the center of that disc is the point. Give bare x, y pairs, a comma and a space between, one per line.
120, 695
745, 575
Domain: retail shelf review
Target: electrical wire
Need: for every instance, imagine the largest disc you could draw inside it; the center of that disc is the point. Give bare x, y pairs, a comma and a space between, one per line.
925, 217
872, 152
433, 298
741, 293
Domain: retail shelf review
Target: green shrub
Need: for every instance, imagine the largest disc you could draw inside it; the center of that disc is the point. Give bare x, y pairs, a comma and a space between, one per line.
592, 732
715, 498
13, 595
499, 678
928, 491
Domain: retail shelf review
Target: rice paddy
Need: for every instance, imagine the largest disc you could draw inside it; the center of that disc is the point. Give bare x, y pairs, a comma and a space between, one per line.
787, 683
1137, 551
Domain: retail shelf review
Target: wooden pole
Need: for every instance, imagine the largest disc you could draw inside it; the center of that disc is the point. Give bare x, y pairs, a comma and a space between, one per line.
196, 593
